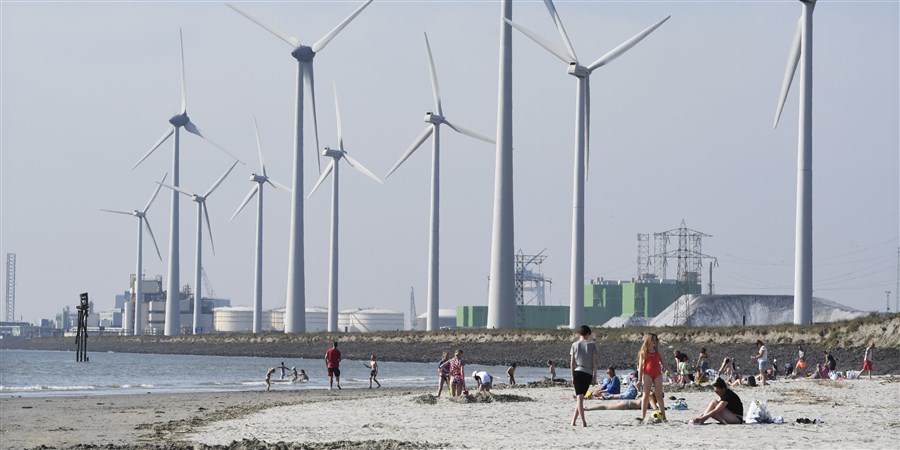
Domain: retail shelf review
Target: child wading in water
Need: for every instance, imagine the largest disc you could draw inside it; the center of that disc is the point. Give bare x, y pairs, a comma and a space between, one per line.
373, 374
649, 365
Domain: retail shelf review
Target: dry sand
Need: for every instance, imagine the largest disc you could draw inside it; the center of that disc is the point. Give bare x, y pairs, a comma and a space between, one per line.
856, 414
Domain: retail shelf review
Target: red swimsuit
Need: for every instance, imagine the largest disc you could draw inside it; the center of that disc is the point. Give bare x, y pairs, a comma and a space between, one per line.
652, 366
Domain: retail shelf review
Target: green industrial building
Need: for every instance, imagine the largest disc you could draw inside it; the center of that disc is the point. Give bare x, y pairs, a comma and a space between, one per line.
603, 300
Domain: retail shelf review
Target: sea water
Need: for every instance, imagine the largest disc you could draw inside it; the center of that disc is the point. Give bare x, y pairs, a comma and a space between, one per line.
46, 373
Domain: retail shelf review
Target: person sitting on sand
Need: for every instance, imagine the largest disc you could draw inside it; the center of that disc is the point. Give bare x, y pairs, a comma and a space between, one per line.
483, 381
816, 374
511, 374
631, 390
551, 369
727, 409
269, 378
611, 384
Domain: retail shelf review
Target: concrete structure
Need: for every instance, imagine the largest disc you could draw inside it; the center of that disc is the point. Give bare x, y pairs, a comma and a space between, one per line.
368, 320
446, 319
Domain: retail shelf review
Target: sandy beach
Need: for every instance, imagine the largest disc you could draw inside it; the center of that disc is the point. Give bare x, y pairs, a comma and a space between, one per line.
855, 414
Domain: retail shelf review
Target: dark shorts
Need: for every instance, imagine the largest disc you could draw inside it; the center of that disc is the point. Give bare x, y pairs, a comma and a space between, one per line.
582, 381
373, 373
334, 371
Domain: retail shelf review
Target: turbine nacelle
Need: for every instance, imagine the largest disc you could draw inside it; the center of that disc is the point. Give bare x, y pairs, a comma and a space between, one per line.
333, 153
258, 178
303, 53
436, 119
577, 70
179, 120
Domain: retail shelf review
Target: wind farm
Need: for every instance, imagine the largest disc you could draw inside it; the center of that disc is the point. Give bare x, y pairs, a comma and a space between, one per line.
683, 132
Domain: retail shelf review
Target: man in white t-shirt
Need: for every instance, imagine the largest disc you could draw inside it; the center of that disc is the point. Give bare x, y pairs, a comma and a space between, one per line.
483, 380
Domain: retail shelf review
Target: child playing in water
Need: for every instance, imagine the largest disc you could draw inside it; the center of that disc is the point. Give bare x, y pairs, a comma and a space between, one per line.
373, 373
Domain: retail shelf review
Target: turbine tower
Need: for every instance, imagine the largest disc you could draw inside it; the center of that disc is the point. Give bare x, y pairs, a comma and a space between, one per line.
173, 313
582, 142
260, 180
338, 154
501, 286
295, 309
138, 278
201, 211
434, 127
801, 48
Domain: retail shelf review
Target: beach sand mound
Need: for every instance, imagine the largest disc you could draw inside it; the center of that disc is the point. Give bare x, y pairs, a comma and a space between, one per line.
487, 397
425, 399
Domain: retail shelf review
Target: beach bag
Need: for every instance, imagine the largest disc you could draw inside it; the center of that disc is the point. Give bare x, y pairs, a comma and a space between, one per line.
679, 405
757, 413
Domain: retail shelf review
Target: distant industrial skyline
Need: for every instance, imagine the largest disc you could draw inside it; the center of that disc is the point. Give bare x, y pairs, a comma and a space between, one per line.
682, 132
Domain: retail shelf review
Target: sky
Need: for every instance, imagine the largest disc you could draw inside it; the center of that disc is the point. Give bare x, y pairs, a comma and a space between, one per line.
681, 129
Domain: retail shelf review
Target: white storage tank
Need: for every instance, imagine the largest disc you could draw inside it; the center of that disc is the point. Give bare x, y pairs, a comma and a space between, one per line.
231, 319
446, 319
369, 320
316, 319
273, 320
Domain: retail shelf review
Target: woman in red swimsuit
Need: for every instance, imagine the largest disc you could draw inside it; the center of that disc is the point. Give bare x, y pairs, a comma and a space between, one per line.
650, 366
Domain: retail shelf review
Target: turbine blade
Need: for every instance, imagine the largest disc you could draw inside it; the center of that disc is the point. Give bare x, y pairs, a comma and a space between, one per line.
153, 197
311, 82
434, 81
412, 148
468, 132
183, 83
542, 42
322, 177
587, 125
118, 211
793, 60
627, 45
562, 30
219, 181
152, 237
318, 46
246, 200
358, 166
262, 163
278, 185
208, 227
284, 37
176, 189
159, 142
337, 112
192, 128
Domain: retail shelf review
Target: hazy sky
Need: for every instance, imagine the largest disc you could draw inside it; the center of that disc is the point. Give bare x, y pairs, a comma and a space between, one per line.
681, 129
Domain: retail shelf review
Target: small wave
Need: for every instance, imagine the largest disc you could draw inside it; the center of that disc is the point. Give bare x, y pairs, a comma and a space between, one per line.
39, 387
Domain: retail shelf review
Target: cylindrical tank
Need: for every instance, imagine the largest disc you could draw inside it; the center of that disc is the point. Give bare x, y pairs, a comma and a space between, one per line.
273, 320
128, 318
369, 320
446, 319
233, 319
316, 319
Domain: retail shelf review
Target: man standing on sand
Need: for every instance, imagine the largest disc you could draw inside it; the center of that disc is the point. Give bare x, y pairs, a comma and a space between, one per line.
333, 363
867, 360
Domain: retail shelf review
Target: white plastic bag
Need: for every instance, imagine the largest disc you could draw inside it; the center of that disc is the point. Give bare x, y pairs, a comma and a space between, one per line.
752, 412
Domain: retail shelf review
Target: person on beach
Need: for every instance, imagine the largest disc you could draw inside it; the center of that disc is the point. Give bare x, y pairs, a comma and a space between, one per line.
800, 367
294, 375
728, 409
457, 368
283, 369
829, 362
511, 374
630, 403
630, 393
303, 376
333, 364
373, 372
611, 384
817, 374
443, 374
727, 369
650, 369
682, 371
483, 381
867, 360
762, 359
584, 360
269, 378
702, 365
551, 369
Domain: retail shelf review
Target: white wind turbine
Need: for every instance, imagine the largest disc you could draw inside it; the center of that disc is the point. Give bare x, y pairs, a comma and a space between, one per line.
295, 307
257, 188
333, 166
801, 48
201, 212
138, 278
434, 127
173, 313
582, 142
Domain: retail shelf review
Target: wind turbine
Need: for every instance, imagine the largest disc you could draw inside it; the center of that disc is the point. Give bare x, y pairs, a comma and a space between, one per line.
582, 141
295, 308
138, 278
801, 48
201, 211
434, 127
260, 180
173, 310
337, 154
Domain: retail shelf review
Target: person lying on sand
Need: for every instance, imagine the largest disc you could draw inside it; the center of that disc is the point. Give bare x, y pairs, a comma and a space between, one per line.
622, 405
